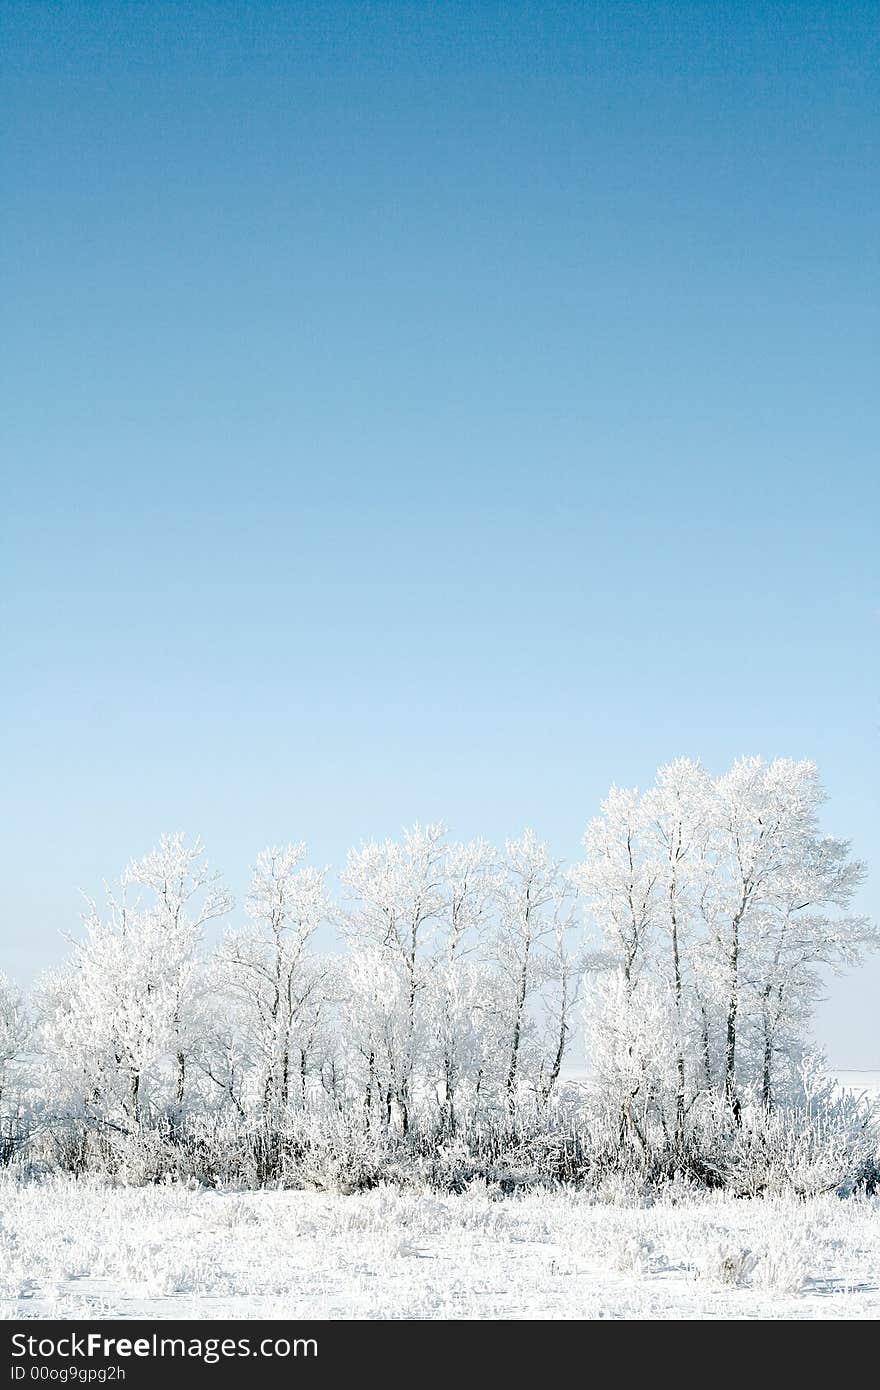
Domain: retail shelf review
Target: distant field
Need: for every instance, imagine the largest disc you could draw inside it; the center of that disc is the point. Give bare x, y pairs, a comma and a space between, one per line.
859, 1080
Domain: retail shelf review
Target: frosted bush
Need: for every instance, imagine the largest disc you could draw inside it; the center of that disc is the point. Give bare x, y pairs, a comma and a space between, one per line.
783, 1266
637, 1255
727, 1263
237, 1212
827, 1148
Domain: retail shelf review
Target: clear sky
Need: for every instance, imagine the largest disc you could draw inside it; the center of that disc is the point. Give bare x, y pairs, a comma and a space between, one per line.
430, 410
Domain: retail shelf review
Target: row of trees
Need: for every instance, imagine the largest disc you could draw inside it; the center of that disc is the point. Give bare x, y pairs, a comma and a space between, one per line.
723, 906
690, 942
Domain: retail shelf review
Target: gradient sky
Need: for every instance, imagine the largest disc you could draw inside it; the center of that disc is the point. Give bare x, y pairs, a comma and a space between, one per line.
430, 410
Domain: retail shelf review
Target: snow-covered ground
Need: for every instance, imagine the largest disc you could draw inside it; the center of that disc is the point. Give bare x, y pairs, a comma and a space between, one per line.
76, 1249
859, 1081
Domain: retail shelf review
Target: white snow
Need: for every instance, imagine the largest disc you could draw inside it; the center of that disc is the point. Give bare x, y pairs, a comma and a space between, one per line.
83, 1248
859, 1081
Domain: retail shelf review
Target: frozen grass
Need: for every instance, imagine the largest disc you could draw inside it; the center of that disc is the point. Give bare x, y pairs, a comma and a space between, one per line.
73, 1248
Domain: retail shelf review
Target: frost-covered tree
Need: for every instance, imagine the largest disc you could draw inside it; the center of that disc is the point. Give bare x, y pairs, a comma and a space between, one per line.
631, 1049
781, 910
561, 974
186, 894
470, 885
15, 1031
267, 971
715, 909
123, 1015
533, 900
106, 1018
226, 1055
376, 1032
723, 893
678, 811
398, 902
618, 881
776, 880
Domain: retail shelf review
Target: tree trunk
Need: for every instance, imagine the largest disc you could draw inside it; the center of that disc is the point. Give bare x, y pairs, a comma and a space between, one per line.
732, 1009
368, 1096
405, 1090
517, 1031
563, 1033
285, 1075
767, 1066
134, 1086
679, 1054
704, 1040
448, 1121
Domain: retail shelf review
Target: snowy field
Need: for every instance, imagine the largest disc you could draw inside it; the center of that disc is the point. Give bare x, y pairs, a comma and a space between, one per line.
78, 1249
859, 1082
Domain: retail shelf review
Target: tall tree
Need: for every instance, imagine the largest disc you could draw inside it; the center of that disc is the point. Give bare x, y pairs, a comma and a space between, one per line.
15, 1031
678, 810
533, 892
186, 895
267, 968
398, 890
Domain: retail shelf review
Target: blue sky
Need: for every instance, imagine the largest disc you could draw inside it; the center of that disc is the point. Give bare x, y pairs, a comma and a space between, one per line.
417, 411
